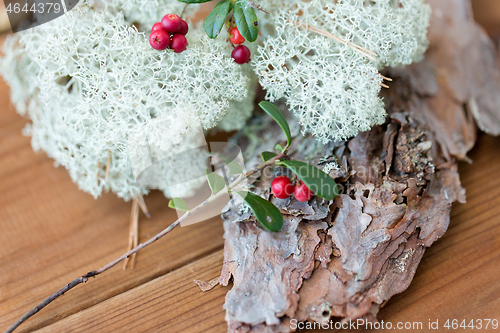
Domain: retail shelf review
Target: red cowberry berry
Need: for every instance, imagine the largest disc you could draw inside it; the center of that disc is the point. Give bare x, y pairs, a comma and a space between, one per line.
302, 192
282, 187
184, 28
159, 39
241, 54
156, 26
179, 43
171, 23
235, 37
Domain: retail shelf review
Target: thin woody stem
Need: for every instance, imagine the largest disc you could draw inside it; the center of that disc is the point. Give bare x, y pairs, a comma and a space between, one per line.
367, 53
183, 10
84, 278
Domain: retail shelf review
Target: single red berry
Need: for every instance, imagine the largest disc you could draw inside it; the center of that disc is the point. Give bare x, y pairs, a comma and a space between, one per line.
179, 43
282, 187
156, 26
159, 39
235, 37
171, 23
184, 28
241, 54
302, 192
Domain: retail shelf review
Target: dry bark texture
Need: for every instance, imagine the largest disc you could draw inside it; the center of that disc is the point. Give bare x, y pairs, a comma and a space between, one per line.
346, 258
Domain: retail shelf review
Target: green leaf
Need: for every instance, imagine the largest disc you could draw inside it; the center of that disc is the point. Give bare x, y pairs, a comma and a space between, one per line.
234, 167
215, 20
246, 20
315, 179
215, 181
278, 116
194, 1
267, 155
279, 148
266, 213
179, 204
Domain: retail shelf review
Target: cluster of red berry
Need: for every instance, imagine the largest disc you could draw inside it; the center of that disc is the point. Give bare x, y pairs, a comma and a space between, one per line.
283, 188
169, 33
241, 54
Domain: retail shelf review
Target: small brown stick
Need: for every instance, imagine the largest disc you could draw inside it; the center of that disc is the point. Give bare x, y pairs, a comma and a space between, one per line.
84, 278
134, 216
108, 164
258, 7
98, 172
183, 10
367, 53
135, 228
143, 206
386, 78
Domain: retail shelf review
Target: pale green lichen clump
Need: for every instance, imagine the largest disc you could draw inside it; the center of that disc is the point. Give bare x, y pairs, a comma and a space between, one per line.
95, 90
331, 88
88, 80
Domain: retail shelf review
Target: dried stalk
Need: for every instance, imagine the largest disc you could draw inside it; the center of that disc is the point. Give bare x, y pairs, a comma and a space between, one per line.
84, 278
367, 53
108, 164
132, 233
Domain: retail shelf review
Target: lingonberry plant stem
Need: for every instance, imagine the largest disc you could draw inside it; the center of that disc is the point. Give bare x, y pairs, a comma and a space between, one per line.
84, 278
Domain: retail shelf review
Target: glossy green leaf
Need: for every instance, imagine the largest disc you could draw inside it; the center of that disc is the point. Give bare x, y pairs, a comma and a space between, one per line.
194, 1
215, 181
215, 20
267, 155
246, 20
265, 212
278, 116
179, 204
315, 179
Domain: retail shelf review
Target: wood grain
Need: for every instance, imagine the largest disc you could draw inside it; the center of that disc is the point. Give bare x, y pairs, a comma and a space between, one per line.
457, 279
51, 233
171, 303
488, 13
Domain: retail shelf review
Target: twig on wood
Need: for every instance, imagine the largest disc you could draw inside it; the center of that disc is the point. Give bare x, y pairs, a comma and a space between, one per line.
132, 232
135, 228
84, 278
98, 172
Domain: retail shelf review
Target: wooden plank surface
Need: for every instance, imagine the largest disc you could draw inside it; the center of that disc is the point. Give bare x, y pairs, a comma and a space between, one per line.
4, 19
171, 303
51, 233
457, 279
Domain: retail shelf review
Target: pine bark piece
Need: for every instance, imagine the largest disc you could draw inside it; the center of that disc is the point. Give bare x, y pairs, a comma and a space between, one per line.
459, 79
346, 258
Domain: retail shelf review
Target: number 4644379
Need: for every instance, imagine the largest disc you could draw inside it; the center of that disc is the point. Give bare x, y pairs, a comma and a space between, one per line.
472, 324
47, 7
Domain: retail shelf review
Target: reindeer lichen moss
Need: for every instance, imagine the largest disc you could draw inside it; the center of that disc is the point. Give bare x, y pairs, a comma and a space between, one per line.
93, 87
